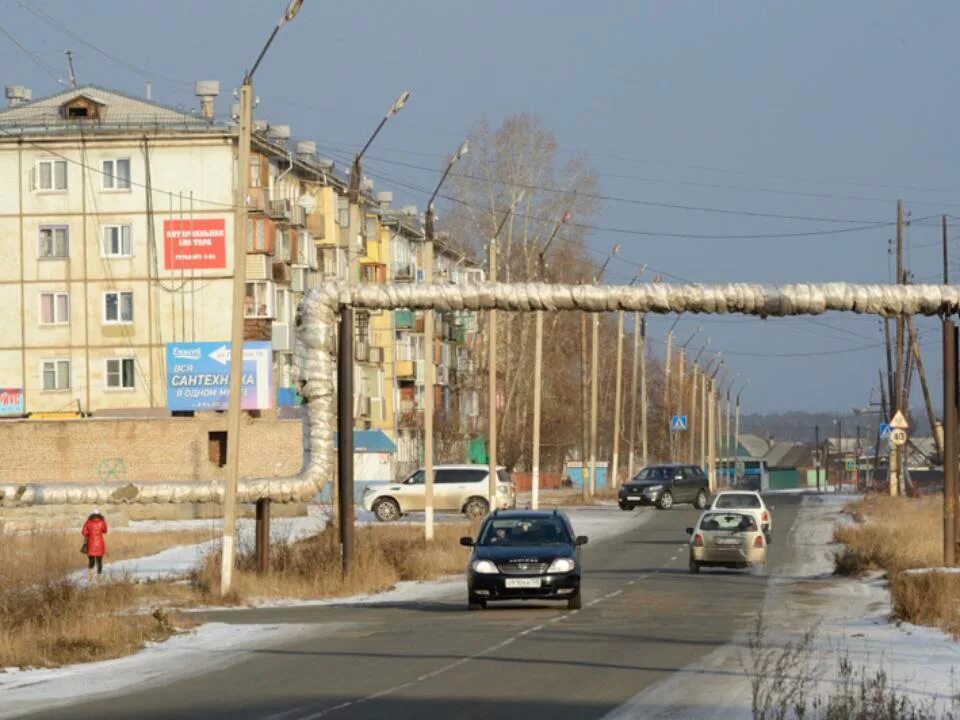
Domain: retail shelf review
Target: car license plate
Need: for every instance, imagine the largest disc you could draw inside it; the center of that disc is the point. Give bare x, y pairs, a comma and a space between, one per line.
727, 541
634, 497
522, 582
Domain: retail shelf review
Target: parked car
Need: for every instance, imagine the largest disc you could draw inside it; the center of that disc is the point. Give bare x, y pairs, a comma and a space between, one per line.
730, 539
664, 485
456, 488
524, 555
746, 500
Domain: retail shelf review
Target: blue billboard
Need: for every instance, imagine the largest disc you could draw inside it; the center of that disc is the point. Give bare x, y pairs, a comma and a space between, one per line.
198, 376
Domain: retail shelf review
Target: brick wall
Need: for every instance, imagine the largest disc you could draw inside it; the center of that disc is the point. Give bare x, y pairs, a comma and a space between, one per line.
91, 450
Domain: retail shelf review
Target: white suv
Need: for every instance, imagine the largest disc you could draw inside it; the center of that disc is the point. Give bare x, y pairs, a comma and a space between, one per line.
456, 488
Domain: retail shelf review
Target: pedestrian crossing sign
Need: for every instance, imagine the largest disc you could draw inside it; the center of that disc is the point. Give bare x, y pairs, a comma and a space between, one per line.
678, 422
885, 430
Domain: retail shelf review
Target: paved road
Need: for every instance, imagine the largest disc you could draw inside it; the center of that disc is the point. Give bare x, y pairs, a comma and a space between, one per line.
644, 618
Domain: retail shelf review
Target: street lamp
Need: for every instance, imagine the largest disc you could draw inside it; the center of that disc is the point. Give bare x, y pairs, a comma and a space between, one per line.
239, 292
429, 369
637, 332
556, 228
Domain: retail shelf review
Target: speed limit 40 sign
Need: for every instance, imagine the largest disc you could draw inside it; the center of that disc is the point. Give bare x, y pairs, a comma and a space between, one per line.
898, 436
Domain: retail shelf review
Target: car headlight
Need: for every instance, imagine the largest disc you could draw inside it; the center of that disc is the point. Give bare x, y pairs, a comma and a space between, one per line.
484, 567
562, 565
654, 488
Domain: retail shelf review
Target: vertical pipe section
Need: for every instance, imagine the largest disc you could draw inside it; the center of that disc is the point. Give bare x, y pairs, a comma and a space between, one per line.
345, 436
643, 391
429, 382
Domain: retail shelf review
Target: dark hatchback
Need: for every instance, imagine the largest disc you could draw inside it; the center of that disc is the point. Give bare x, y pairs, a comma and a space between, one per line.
665, 485
524, 555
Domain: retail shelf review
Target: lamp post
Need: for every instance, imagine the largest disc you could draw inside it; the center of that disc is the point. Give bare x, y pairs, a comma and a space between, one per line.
675, 444
244, 139
537, 372
594, 382
429, 353
691, 425
492, 364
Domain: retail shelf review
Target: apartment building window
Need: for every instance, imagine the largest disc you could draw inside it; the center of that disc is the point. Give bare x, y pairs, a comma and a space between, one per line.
260, 236
259, 301
54, 241
54, 308
52, 175
117, 241
343, 211
256, 171
118, 308
116, 174
373, 273
120, 373
284, 246
55, 375
283, 306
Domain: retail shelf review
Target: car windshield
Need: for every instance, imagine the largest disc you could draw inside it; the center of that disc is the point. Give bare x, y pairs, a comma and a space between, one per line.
728, 522
650, 474
729, 501
525, 531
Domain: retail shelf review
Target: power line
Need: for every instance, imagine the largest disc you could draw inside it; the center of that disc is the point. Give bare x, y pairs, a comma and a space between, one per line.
37, 61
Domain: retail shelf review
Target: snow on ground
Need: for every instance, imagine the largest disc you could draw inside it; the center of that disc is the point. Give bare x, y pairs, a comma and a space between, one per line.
211, 645
851, 617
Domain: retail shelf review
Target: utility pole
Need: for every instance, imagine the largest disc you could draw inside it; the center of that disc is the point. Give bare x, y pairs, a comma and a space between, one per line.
897, 400
594, 400
728, 440
667, 405
711, 435
691, 425
584, 394
228, 553
537, 371
618, 385
818, 454
927, 401
676, 444
643, 391
951, 528
635, 360
492, 382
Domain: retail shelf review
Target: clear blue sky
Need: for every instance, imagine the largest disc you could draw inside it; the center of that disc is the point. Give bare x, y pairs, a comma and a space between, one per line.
820, 109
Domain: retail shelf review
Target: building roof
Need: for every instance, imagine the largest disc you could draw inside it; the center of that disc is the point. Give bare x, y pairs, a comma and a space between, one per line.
776, 454
755, 446
117, 110
798, 456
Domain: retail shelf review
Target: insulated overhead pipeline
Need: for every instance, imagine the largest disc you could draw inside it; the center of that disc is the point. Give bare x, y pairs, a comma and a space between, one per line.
315, 366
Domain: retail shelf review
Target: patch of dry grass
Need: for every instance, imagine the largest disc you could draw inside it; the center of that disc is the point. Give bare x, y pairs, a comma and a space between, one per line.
46, 620
897, 535
383, 556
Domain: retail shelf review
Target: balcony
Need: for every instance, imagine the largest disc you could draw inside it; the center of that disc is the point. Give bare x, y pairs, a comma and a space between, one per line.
317, 225
406, 369
282, 337
410, 420
279, 209
403, 273
361, 351
297, 216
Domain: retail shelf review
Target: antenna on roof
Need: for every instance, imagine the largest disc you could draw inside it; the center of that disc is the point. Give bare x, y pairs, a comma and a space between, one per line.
73, 75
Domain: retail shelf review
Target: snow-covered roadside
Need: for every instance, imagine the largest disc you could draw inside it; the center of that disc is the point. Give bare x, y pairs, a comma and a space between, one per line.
851, 617
211, 645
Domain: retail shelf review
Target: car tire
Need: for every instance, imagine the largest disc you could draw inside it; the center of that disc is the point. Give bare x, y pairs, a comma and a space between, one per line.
476, 508
386, 510
476, 604
694, 567
665, 501
575, 602
701, 500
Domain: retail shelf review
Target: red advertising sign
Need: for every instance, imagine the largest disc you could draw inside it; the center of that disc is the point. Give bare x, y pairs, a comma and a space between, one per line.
198, 244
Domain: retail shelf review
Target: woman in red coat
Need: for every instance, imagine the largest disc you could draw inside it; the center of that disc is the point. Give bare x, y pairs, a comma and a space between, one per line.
93, 531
